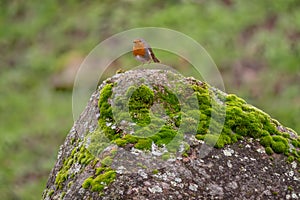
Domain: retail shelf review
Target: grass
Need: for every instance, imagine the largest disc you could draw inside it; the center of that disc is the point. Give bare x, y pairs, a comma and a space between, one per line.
35, 118
27, 145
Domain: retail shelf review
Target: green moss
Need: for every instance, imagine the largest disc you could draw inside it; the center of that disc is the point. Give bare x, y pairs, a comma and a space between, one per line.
97, 187
130, 138
185, 154
70, 162
279, 147
170, 103
269, 150
61, 177
73, 140
121, 142
155, 171
186, 147
266, 141
102, 180
264, 133
279, 144
120, 71
165, 135
200, 136
141, 99
212, 140
50, 193
73, 151
143, 132
174, 145
166, 156
139, 103
99, 170
102, 177
141, 165
295, 153
225, 139
169, 100
286, 135
106, 161
96, 141
290, 159
218, 141
143, 143
62, 195
204, 102
107, 177
189, 125
70, 184
78, 155
232, 99
295, 143
241, 119
114, 152
104, 106
106, 115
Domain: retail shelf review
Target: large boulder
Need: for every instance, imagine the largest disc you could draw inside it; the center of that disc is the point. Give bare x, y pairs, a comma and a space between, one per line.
154, 134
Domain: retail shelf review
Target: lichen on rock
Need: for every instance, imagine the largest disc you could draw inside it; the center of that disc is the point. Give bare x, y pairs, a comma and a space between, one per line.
143, 134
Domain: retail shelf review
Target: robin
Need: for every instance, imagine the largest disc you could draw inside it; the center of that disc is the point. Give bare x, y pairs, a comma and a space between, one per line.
143, 52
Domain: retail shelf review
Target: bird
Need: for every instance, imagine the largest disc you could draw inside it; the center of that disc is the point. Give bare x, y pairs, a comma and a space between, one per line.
143, 52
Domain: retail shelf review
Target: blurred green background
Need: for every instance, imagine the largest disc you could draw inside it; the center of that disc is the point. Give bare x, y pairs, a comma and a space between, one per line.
255, 44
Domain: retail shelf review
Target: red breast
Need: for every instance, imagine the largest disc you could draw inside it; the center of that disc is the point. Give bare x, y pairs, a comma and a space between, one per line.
139, 48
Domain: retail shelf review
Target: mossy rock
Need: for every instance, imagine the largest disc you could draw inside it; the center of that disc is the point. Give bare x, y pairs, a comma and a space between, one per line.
218, 122
162, 121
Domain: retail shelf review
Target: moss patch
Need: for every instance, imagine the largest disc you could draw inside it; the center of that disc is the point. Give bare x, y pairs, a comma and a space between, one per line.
269, 150
166, 156
266, 141
50, 193
279, 144
79, 155
96, 142
216, 112
106, 161
143, 143
106, 115
103, 177
242, 120
140, 101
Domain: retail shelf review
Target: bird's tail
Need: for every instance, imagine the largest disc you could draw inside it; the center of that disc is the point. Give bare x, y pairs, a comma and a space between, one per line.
155, 59
153, 56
